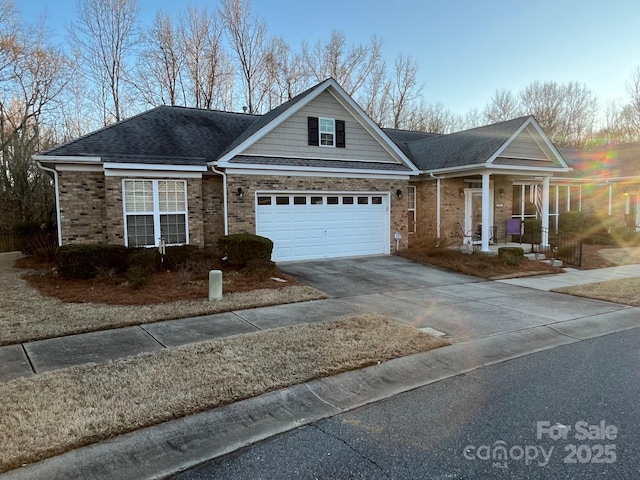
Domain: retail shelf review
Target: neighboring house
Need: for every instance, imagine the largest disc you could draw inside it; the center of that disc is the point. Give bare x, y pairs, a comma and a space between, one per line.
316, 175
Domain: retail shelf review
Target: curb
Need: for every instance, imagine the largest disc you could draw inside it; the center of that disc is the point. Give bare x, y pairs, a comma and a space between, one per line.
172, 447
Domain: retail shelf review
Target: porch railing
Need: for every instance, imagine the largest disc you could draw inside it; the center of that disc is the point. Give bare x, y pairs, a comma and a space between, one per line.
563, 246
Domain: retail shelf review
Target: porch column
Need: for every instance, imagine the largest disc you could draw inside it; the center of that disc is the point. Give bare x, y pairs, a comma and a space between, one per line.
545, 212
486, 213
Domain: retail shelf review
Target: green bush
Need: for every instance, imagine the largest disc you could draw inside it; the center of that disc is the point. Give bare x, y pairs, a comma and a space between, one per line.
84, 261
242, 248
259, 269
89, 260
146, 258
137, 276
515, 252
532, 231
180, 255
572, 222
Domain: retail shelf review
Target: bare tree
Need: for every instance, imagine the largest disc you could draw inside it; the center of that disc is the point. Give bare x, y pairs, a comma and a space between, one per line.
632, 109
105, 34
32, 75
565, 112
285, 73
350, 67
247, 37
161, 64
404, 90
208, 71
504, 105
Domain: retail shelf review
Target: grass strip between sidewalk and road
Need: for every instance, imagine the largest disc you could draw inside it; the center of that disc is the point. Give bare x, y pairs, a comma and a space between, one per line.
625, 291
54, 412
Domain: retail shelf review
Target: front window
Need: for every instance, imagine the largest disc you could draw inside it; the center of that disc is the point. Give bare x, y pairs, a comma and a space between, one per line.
327, 132
411, 207
155, 209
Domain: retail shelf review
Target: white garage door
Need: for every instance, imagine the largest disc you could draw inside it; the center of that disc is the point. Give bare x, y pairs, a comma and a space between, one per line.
323, 225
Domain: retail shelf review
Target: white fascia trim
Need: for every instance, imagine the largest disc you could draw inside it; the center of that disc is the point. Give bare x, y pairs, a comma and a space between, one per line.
499, 169
315, 173
511, 138
281, 169
383, 138
222, 162
117, 172
270, 126
155, 166
75, 167
65, 159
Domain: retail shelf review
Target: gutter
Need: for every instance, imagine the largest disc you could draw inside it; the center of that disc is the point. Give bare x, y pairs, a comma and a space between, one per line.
437, 206
224, 197
55, 181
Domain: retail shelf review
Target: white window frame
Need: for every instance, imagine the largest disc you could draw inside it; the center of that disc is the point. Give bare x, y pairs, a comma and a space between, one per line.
411, 207
332, 132
156, 213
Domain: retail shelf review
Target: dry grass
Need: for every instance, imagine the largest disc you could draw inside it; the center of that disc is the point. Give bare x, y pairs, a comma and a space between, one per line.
621, 256
48, 414
25, 315
625, 291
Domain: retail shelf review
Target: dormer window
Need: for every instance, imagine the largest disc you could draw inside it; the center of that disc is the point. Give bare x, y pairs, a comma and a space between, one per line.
326, 132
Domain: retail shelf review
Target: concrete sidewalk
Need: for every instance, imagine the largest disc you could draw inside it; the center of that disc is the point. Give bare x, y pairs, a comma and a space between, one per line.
487, 322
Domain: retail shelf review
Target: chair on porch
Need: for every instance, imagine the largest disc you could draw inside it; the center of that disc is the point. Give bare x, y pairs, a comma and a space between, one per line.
514, 227
471, 240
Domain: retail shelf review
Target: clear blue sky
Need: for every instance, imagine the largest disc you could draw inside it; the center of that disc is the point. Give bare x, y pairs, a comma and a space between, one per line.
467, 49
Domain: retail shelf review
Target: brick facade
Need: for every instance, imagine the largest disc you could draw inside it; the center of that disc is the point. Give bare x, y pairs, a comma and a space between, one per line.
82, 207
452, 209
241, 211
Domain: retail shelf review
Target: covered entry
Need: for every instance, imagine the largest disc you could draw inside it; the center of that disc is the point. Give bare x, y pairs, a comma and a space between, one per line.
308, 225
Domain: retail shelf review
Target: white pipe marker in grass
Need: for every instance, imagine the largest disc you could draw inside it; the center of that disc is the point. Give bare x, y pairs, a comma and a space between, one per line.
215, 285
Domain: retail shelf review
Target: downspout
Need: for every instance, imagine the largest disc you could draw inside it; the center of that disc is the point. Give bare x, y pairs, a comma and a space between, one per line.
224, 198
437, 206
55, 182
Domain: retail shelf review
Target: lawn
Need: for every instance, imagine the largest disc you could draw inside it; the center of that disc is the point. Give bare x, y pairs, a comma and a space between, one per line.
26, 315
626, 291
48, 414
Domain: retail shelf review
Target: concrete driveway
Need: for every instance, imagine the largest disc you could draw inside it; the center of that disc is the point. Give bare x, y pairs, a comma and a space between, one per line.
461, 307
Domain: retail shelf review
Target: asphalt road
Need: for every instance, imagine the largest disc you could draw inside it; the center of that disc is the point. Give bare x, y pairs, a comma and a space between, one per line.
572, 412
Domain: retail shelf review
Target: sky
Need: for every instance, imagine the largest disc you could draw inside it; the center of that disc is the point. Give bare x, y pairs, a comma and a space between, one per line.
466, 49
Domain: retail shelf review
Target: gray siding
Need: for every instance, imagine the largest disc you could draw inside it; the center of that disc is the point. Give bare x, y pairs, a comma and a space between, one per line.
528, 145
289, 139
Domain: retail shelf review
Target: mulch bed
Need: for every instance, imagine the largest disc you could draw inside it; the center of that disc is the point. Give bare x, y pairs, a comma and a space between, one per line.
162, 287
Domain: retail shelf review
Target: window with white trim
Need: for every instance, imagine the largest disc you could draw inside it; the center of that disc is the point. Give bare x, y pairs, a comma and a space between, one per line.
327, 132
155, 209
411, 208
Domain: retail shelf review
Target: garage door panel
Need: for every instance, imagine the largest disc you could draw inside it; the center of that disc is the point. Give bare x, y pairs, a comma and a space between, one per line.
301, 230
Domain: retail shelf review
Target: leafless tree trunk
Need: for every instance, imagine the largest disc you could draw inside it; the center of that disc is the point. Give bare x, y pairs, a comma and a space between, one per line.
504, 105
161, 64
247, 37
404, 89
350, 68
285, 73
105, 34
32, 75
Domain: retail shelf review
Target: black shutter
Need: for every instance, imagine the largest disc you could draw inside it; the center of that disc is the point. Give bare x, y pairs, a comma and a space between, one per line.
340, 134
314, 135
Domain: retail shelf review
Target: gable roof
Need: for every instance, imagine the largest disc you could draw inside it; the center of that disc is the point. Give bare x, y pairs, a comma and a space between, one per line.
608, 162
479, 146
175, 135
278, 115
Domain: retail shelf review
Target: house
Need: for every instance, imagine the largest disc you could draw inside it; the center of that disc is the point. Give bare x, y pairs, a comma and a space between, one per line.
316, 175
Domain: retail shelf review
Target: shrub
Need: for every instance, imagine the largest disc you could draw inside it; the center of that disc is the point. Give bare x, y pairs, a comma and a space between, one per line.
259, 269
147, 258
515, 252
179, 255
137, 276
37, 238
84, 261
571, 222
241, 248
532, 231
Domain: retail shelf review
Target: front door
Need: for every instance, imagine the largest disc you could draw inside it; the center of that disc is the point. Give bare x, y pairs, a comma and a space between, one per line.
473, 210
